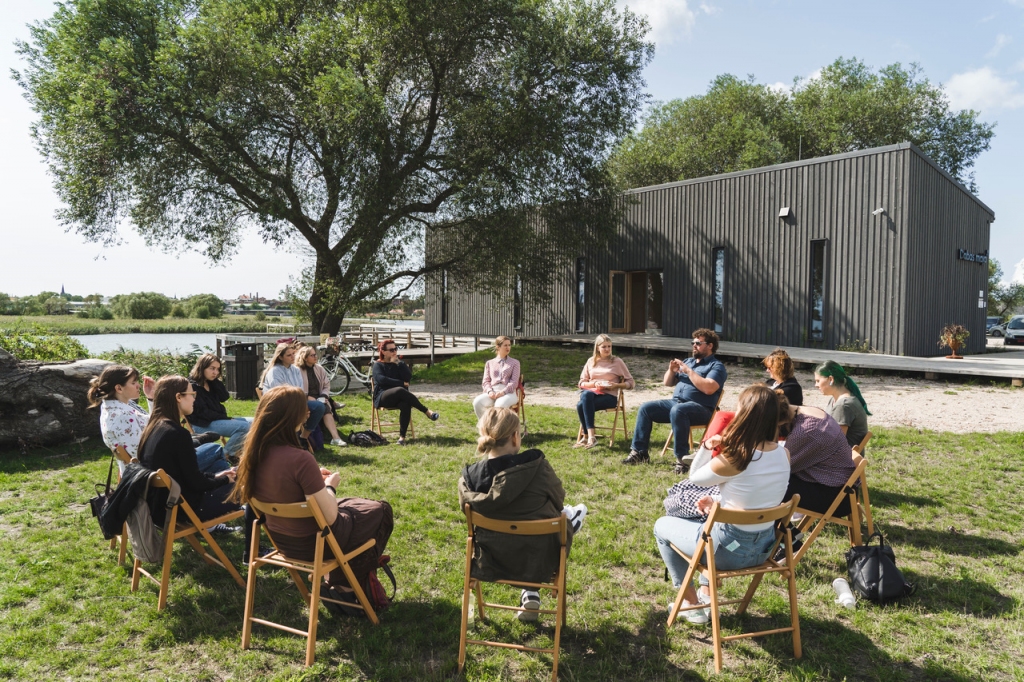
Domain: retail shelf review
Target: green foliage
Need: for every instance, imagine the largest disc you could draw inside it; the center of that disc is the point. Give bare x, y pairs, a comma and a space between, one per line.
213, 305
74, 325
157, 363
740, 124
551, 364
178, 311
1003, 299
38, 343
353, 126
953, 333
147, 305
856, 346
260, 316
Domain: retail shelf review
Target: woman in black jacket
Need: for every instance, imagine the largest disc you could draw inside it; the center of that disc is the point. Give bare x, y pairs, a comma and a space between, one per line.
167, 445
208, 413
783, 376
391, 379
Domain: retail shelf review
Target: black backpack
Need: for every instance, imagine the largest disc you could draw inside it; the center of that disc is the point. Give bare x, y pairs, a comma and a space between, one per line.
365, 439
873, 572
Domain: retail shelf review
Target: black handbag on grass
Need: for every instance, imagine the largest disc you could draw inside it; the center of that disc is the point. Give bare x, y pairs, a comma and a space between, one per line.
100, 501
873, 572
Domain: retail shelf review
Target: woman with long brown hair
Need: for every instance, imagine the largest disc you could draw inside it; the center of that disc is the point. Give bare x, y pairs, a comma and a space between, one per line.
282, 371
167, 445
752, 472
275, 468
209, 415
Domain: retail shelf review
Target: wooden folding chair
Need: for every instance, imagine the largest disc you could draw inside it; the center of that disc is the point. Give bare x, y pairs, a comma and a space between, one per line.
122, 456
557, 587
520, 406
855, 485
383, 426
318, 568
859, 448
705, 552
620, 408
693, 442
187, 529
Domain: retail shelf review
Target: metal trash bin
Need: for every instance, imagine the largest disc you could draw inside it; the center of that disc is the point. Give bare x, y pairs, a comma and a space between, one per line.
241, 370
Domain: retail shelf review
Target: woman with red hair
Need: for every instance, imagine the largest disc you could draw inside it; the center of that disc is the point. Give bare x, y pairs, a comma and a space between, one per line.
391, 379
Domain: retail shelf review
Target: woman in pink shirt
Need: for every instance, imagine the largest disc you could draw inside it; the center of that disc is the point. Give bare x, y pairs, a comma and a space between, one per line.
501, 379
602, 378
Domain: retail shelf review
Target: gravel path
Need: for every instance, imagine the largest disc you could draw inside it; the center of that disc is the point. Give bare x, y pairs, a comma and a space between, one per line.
893, 401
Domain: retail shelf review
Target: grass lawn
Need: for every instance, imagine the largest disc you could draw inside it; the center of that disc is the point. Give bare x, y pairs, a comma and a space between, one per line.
70, 324
949, 504
556, 365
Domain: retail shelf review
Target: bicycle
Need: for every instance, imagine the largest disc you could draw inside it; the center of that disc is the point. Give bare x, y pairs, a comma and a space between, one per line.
340, 370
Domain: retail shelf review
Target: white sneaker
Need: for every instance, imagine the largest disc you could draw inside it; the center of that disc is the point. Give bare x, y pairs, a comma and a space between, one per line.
529, 600
696, 616
339, 442
576, 514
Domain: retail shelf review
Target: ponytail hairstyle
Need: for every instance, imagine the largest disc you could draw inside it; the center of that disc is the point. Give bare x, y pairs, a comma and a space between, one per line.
601, 338
164, 405
496, 428
500, 340
103, 387
380, 348
278, 417
757, 421
198, 373
835, 371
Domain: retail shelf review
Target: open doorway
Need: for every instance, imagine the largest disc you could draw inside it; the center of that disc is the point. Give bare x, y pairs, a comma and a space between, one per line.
634, 304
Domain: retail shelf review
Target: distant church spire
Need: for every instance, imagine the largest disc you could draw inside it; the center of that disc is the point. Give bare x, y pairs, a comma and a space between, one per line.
61, 289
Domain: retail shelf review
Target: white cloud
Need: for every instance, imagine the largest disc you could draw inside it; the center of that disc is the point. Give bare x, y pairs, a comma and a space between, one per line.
669, 19
1018, 273
1002, 40
779, 86
709, 9
986, 19
983, 89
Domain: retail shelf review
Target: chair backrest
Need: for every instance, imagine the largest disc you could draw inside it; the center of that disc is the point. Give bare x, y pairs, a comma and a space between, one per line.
308, 509
122, 455
259, 393
721, 514
551, 526
859, 448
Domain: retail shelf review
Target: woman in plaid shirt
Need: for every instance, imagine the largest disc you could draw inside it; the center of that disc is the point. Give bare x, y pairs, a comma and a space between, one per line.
501, 379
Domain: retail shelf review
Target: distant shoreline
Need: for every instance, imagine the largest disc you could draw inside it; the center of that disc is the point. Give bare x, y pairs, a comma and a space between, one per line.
74, 326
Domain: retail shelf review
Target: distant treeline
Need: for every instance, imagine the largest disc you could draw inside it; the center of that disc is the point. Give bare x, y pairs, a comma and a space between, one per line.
145, 305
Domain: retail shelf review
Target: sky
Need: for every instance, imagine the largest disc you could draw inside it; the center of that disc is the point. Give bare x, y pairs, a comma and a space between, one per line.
976, 50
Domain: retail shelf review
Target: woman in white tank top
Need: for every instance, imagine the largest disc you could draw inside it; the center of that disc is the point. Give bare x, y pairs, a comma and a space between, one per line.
752, 472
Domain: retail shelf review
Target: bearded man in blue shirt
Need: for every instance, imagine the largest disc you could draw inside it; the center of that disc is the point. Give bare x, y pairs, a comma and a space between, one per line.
699, 381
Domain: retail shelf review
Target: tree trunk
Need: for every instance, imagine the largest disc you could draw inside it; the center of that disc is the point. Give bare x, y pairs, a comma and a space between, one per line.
323, 301
45, 404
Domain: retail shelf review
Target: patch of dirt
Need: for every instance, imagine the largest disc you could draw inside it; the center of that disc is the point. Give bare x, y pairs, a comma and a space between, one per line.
893, 401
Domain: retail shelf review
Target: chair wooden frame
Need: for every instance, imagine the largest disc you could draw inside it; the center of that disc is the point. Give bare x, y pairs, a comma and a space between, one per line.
380, 426
318, 568
693, 443
121, 455
706, 548
855, 487
188, 530
862, 446
472, 585
620, 408
520, 406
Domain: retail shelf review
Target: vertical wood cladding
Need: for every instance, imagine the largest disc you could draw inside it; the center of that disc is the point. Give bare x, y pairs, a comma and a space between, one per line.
892, 278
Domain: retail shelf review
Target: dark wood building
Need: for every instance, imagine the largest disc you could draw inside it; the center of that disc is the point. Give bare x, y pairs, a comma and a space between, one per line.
879, 247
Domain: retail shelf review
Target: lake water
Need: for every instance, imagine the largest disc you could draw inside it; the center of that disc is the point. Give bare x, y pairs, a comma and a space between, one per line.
181, 343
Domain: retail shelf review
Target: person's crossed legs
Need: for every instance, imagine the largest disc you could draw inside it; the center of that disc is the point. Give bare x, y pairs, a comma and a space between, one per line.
682, 416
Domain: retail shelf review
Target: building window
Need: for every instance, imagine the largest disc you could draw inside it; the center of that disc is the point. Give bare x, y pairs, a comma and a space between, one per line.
517, 302
444, 298
819, 263
718, 255
654, 290
581, 294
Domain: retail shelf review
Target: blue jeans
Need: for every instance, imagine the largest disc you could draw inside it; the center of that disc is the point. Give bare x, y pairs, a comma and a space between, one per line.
590, 402
211, 458
751, 550
316, 414
234, 430
680, 414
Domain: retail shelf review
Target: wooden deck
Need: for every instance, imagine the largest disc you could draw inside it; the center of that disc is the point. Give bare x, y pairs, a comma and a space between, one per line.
1005, 365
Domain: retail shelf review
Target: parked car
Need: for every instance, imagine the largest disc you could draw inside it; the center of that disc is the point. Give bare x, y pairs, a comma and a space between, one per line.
1015, 331
996, 330
990, 322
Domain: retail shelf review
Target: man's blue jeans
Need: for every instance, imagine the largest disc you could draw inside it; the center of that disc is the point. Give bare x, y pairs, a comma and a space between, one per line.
210, 457
234, 430
681, 415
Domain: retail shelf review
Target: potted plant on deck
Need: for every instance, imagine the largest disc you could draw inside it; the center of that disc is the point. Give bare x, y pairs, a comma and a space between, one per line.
955, 337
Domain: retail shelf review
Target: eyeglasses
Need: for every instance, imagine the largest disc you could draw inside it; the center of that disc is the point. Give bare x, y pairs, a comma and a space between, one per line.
697, 342
391, 349
191, 393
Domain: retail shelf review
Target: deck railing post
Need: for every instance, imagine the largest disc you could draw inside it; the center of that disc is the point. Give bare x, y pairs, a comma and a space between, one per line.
431, 349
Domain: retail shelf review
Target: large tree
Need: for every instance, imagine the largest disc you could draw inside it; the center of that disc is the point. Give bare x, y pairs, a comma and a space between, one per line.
1004, 299
355, 126
740, 124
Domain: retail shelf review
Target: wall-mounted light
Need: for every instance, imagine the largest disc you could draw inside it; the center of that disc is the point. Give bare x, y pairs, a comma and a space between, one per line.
785, 212
878, 211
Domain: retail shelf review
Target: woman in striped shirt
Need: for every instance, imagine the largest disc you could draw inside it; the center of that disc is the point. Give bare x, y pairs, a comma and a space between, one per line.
501, 379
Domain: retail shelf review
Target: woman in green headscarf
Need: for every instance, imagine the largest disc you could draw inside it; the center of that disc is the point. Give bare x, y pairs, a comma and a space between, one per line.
846, 404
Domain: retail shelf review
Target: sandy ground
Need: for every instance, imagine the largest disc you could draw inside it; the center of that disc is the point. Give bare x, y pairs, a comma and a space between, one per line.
893, 401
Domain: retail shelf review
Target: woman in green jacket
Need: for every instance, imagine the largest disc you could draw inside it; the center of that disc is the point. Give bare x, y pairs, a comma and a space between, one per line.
514, 486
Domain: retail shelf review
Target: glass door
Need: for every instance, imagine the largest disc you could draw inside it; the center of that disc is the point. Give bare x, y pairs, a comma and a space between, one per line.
618, 301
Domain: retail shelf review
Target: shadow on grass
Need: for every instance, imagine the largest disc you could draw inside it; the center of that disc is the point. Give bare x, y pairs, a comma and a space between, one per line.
951, 542
960, 594
884, 498
53, 457
441, 441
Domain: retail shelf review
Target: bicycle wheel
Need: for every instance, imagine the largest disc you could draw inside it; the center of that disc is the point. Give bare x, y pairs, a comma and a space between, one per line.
340, 381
